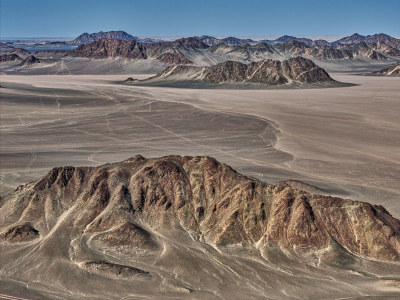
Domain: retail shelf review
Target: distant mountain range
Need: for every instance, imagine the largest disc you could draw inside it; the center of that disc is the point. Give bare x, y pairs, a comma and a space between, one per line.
230, 41
194, 50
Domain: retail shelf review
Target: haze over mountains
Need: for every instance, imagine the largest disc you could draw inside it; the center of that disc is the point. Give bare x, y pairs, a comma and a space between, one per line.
207, 50
135, 55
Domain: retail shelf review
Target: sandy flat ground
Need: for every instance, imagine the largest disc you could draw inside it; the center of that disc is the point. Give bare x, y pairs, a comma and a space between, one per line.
344, 140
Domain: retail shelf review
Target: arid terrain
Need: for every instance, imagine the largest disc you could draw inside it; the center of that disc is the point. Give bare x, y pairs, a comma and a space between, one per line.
123, 189
343, 140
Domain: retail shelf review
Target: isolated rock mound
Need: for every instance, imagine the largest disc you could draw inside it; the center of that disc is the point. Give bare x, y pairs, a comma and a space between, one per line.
107, 48
207, 199
392, 70
20, 233
268, 71
29, 61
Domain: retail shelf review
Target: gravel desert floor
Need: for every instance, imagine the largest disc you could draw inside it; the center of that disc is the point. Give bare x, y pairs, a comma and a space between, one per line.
339, 141
345, 141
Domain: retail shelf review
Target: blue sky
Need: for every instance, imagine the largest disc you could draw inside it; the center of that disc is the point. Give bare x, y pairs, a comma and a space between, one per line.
57, 18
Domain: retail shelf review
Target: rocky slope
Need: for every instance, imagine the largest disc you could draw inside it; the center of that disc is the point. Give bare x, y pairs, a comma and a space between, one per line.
209, 200
267, 71
189, 227
9, 57
29, 61
85, 38
392, 70
107, 48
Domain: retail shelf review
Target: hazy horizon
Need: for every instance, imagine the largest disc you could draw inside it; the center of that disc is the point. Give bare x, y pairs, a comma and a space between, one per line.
329, 38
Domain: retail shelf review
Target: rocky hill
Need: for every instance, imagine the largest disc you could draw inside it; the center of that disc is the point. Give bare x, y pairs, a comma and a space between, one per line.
107, 48
392, 70
115, 203
267, 71
85, 38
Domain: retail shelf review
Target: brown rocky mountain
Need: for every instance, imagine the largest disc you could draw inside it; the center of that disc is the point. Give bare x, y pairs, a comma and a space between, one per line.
9, 57
107, 48
392, 70
267, 71
30, 60
118, 204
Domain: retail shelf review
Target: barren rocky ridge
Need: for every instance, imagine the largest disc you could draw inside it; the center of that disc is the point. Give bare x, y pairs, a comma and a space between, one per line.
207, 199
268, 71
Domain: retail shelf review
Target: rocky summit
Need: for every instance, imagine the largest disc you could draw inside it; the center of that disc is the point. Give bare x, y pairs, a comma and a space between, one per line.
113, 35
126, 203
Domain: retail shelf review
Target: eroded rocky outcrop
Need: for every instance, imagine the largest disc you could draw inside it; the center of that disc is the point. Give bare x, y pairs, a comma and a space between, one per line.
267, 71
119, 203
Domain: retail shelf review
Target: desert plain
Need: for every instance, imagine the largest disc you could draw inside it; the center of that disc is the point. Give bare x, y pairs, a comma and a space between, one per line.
341, 141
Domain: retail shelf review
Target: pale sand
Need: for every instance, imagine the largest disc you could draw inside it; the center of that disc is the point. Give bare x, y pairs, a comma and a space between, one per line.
345, 140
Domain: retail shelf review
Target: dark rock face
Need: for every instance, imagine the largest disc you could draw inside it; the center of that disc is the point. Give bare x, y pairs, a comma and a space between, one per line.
207, 199
131, 79
106, 48
392, 70
20, 233
112, 35
29, 61
267, 71
174, 59
9, 57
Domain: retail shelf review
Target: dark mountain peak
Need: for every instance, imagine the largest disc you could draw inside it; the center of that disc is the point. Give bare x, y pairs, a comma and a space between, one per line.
356, 36
105, 48
92, 37
288, 38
